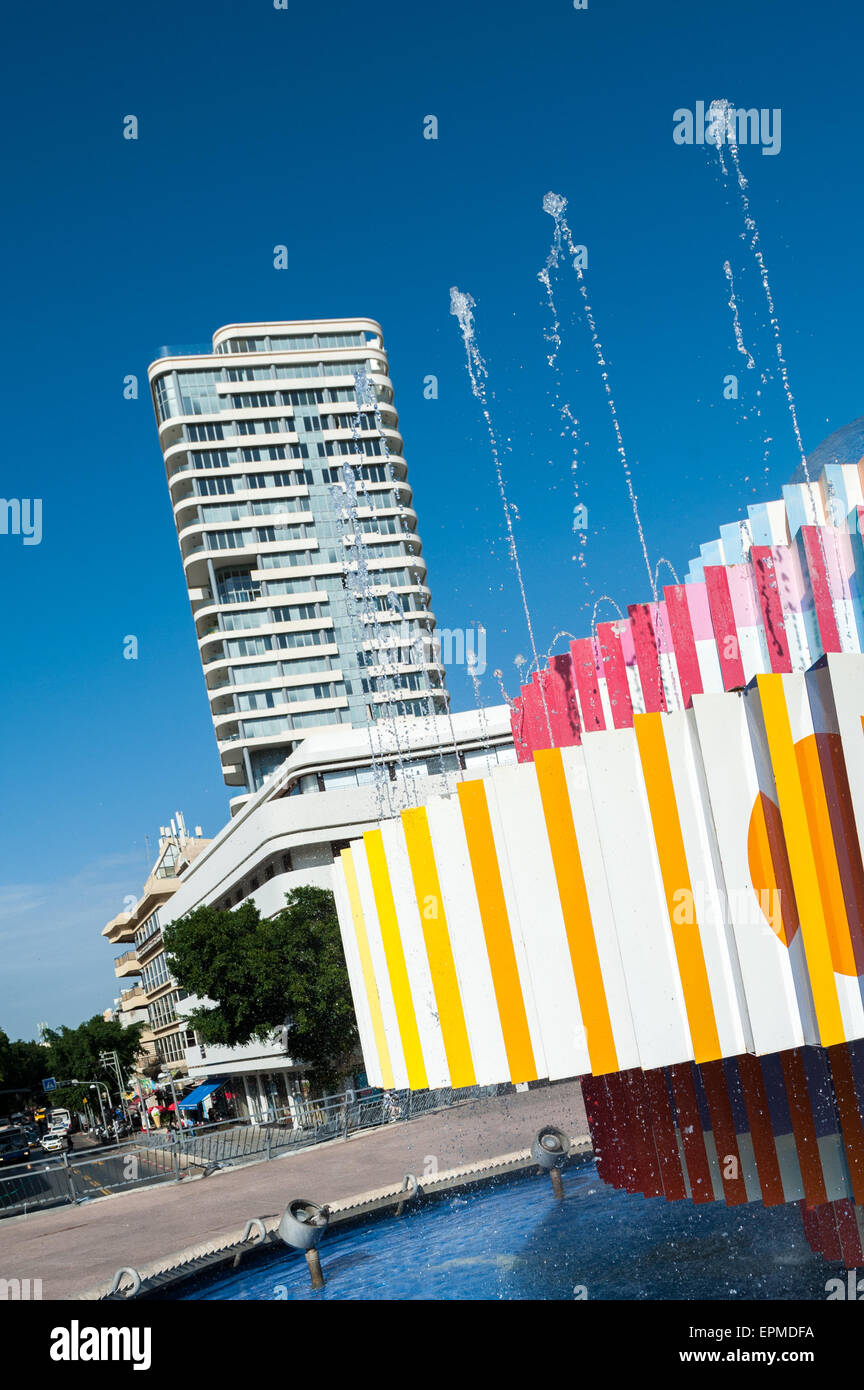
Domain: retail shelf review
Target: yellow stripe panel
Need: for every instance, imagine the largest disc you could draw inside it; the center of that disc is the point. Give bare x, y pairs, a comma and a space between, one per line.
442, 966
496, 930
676, 878
397, 969
825, 855
793, 802
368, 970
576, 910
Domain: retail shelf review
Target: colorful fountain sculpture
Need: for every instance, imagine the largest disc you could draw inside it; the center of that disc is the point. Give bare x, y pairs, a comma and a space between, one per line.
665, 896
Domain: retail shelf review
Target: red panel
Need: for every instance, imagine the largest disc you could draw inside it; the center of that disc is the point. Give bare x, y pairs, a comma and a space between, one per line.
690, 1129
723, 1127
615, 671
773, 621
647, 658
665, 1142
723, 622
534, 728
825, 616
561, 700
761, 1131
585, 676
803, 1127
683, 642
517, 724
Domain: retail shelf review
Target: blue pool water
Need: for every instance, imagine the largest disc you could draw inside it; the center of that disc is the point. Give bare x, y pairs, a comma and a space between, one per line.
515, 1241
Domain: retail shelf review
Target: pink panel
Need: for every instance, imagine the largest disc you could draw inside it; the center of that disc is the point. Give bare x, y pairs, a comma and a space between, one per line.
647, 659
587, 686
723, 621
614, 669
683, 644
660, 625
743, 595
821, 589
700, 613
767, 591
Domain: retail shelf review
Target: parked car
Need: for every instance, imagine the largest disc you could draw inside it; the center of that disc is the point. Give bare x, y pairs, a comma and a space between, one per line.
14, 1145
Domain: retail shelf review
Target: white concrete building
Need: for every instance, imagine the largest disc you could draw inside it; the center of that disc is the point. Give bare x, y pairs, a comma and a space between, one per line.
336, 784
298, 538
153, 1000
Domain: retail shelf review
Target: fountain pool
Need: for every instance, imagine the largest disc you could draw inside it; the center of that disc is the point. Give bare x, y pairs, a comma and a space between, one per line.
513, 1240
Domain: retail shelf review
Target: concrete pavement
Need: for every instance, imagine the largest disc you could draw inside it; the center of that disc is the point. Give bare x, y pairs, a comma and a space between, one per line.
76, 1249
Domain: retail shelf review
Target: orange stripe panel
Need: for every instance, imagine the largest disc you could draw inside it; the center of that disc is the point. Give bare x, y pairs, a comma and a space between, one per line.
676, 878
496, 929
576, 910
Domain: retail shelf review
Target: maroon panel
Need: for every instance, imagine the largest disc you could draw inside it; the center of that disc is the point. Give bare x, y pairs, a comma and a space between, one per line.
690, 1129
665, 1141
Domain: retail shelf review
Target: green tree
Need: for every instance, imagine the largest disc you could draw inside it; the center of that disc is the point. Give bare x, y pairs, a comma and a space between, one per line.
74, 1052
261, 974
22, 1065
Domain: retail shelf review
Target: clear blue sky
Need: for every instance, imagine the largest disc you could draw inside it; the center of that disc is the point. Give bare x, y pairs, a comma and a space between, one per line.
260, 126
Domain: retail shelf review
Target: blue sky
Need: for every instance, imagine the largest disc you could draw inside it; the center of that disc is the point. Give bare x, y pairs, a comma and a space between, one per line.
260, 126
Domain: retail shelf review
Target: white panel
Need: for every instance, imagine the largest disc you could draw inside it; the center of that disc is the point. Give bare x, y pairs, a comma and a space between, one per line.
603, 921
707, 884
730, 775
510, 897
468, 941
525, 842
355, 976
416, 959
709, 666
638, 901
847, 685
379, 961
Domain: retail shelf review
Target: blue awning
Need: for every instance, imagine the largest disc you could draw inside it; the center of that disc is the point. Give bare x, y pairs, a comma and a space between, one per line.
195, 1097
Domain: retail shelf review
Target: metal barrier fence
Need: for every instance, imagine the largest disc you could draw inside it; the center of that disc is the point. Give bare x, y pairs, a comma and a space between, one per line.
166, 1155
49, 1183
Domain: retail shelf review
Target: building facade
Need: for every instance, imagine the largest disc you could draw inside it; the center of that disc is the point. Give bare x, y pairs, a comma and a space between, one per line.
154, 997
298, 536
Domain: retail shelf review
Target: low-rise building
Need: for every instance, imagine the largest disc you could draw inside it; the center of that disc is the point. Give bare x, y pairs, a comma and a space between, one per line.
154, 998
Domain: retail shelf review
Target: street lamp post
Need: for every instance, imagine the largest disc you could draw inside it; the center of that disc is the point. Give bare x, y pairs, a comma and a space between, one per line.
95, 1086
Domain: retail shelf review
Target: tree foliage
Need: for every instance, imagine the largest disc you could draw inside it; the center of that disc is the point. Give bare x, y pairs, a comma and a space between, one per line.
260, 974
21, 1065
71, 1052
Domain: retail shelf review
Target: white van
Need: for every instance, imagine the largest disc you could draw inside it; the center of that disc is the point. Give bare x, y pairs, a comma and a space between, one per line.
60, 1119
